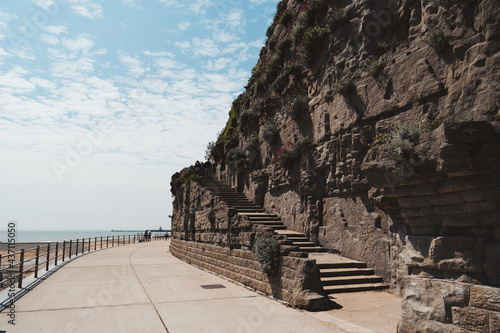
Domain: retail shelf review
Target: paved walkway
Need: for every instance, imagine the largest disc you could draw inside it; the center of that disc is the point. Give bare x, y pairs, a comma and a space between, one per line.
143, 288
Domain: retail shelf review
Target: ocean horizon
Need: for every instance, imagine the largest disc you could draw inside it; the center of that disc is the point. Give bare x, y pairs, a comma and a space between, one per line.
35, 236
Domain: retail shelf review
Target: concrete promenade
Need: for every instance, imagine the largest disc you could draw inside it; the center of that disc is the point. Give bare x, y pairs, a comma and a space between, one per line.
143, 288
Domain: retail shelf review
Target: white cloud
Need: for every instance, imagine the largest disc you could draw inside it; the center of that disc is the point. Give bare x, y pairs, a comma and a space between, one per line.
4, 23
159, 54
205, 47
183, 45
169, 3
133, 65
199, 6
56, 29
49, 39
183, 26
86, 8
82, 43
132, 4
45, 4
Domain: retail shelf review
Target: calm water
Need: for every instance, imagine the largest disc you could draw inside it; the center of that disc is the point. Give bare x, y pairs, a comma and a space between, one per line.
23, 236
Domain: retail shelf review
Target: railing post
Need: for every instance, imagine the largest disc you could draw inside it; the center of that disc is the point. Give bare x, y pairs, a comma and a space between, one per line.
129, 239
95, 244
107, 241
37, 260
76, 254
57, 253
70, 247
134, 239
48, 257
89, 245
113, 241
64, 250
83, 245
101, 242
21, 268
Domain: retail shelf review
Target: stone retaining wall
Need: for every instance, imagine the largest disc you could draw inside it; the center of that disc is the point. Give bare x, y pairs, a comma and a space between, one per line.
436, 305
297, 281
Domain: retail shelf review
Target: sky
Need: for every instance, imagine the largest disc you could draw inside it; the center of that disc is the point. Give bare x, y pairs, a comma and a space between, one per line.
101, 101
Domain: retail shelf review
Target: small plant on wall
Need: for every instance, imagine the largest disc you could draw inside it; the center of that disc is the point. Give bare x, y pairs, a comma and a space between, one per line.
267, 253
290, 152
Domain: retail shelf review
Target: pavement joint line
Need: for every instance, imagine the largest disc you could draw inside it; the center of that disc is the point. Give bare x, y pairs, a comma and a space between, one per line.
208, 300
84, 308
331, 319
144, 289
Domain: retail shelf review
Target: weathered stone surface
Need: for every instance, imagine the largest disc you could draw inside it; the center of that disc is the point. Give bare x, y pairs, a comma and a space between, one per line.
429, 299
485, 298
494, 325
476, 320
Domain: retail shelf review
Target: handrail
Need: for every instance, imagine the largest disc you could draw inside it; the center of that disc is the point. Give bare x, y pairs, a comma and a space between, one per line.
20, 263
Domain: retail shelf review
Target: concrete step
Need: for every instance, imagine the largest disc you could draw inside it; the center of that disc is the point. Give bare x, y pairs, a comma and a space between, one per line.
312, 249
330, 272
264, 218
298, 239
303, 244
292, 234
348, 280
268, 222
348, 264
355, 288
249, 210
275, 227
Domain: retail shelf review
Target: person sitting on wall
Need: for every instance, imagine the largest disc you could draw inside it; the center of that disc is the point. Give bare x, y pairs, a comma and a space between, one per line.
208, 168
197, 168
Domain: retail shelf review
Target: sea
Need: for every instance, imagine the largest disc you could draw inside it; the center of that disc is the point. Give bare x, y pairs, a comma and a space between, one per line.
37, 236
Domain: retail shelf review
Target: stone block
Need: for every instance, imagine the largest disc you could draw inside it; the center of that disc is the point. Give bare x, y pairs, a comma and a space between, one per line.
416, 212
492, 267
412, 190
464, 208
460, 221
492, 251
494, 322
431, 200
489, 219
475, 195
476, 320
469, 132
423, 221
432, 299
462, 184
485, 297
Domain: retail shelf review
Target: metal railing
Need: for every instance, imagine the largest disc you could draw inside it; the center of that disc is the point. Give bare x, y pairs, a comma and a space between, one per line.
15, 266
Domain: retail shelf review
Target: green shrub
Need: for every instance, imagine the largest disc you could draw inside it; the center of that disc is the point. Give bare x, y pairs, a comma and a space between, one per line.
268, 131
179, 179
373, 66
286, 18
297, 103
236, 158
337, 19
435, 39
247, 117
402, 141
344, 86
290, 152
267, 253
311, 39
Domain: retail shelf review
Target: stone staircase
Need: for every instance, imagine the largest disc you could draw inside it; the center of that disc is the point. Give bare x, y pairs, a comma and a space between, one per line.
338, 274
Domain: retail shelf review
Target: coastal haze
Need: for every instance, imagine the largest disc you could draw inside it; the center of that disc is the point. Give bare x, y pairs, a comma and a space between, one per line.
102, 101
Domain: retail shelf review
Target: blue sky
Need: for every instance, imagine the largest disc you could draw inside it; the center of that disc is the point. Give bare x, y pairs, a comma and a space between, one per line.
102, 101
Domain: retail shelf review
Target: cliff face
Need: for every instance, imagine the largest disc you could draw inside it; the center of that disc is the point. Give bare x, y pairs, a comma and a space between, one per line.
373, 127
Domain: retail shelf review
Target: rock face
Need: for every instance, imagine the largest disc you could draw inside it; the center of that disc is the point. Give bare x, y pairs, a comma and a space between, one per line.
400, 103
